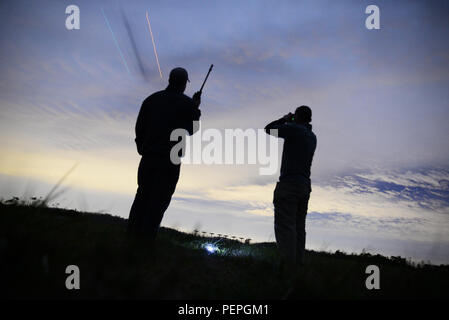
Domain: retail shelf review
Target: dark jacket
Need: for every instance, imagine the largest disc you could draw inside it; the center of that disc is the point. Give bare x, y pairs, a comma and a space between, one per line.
299, 148
160, 114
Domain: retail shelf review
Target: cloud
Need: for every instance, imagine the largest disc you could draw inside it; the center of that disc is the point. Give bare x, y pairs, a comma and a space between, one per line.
413, 203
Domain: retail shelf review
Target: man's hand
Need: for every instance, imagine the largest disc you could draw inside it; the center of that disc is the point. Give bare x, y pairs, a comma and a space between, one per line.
197, 98
288, 117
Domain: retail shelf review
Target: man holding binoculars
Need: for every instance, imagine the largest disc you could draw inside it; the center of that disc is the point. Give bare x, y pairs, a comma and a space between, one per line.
292, 192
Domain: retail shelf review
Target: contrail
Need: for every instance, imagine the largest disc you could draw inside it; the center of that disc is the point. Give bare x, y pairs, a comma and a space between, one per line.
154, 46
133, 44
115, 40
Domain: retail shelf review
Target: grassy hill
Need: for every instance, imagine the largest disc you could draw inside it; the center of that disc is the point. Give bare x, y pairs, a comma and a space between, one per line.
37, 243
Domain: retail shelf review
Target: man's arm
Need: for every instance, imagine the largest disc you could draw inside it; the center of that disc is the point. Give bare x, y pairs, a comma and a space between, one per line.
283, 130
193, 114
141, 128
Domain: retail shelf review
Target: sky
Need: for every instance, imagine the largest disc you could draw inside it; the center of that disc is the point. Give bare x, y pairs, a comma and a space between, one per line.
380, 175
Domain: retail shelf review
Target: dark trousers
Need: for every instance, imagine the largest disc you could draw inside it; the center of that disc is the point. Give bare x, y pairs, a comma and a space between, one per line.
156, 179
290, 210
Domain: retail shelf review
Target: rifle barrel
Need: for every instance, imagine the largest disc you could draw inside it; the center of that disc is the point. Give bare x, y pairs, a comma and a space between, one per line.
207, 76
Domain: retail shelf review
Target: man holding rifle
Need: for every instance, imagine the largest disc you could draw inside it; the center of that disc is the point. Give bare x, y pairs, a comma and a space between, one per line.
292, 192
160, 114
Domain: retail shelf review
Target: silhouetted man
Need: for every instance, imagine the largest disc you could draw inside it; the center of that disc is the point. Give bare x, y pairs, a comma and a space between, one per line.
292, 192
160, 114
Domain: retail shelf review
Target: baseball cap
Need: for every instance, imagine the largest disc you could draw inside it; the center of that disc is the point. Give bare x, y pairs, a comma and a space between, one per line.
178, 75
304, 112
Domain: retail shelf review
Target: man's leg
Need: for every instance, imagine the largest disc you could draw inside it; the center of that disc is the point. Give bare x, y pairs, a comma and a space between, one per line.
140, 202
135, 214
301, 214
285, 207
163, 186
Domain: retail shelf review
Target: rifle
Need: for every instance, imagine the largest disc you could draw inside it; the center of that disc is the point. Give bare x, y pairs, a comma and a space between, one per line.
207, 76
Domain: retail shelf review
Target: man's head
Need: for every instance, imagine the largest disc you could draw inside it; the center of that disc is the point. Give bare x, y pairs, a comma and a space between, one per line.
178, 79
303, 114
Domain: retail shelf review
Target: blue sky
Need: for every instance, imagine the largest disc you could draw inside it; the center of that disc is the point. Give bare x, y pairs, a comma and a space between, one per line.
379, 100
